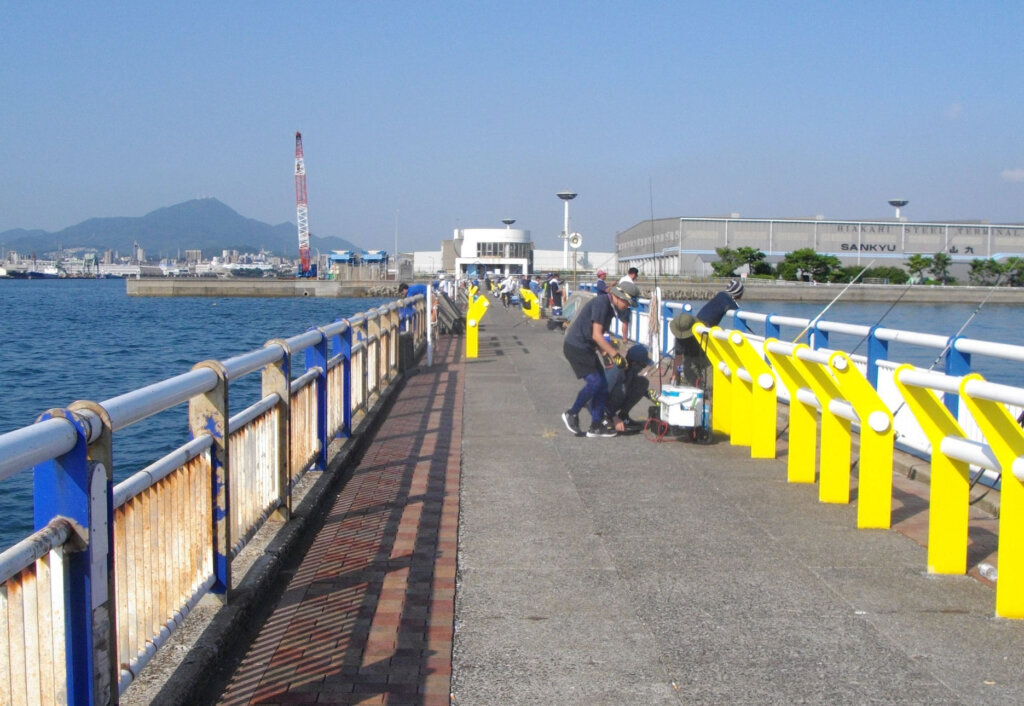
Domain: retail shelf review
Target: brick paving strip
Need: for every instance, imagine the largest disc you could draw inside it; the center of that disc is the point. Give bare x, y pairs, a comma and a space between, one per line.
368, 617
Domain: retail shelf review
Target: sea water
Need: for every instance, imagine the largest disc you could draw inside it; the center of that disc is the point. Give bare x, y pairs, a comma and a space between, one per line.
78, 339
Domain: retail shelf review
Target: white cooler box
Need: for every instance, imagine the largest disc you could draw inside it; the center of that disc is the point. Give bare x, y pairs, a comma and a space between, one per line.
682, 406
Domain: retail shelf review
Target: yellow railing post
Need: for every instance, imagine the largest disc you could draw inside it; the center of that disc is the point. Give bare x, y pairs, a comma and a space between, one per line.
530, 304
740, 391
763, 402
874, 487
1006, 439
803, 417
721, 377
474, 312
836, 438
949, 496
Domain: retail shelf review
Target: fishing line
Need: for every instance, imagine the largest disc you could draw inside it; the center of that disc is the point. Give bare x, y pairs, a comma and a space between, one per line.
880, 318
949, 345
821, 313
655, 299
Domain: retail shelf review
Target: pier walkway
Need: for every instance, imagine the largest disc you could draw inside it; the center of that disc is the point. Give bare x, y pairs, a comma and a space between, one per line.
606, 571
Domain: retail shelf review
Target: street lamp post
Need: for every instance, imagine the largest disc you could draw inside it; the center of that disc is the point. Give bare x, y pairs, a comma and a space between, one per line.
566, 196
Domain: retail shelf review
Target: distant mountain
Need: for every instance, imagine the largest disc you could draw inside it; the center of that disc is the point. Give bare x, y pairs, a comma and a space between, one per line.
205, 224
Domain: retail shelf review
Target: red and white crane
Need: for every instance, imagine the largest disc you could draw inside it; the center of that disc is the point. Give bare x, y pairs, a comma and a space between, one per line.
301, 207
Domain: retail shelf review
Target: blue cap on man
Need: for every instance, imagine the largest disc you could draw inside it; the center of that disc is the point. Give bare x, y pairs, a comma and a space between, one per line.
639, 354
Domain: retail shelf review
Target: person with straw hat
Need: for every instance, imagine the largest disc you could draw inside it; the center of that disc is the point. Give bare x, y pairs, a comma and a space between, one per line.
691, 361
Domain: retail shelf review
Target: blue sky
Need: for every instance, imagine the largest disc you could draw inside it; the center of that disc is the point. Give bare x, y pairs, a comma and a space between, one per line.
441, 115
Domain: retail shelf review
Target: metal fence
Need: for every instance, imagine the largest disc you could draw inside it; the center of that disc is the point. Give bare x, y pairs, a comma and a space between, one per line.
88, 599
968, 429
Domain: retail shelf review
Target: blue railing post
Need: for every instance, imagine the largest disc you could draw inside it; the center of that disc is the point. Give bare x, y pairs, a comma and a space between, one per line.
819, 338
345, 348
957, 365
81, 490
877, 350
316, 356
208, 414
277, 378
772, 329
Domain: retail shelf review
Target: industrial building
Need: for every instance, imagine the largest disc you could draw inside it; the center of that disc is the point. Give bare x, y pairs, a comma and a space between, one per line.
686, 246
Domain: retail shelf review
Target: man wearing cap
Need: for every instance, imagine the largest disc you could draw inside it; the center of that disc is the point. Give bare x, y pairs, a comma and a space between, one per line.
583, 346
628, 386
602, 285
712, 313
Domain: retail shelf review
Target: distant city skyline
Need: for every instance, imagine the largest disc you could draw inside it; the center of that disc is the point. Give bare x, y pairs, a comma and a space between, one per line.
423, 118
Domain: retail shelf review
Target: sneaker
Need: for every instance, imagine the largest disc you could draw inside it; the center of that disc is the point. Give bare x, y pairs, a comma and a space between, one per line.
572, 422
603, 428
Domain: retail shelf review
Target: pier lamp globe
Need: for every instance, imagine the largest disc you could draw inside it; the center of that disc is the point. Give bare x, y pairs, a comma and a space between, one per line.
566, 197
898, 204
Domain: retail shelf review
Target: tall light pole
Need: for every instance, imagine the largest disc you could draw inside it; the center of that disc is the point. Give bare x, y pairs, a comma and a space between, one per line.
898, 204
566, 196
396, 244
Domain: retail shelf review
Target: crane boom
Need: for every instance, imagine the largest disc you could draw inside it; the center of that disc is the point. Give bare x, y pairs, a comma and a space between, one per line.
301, 207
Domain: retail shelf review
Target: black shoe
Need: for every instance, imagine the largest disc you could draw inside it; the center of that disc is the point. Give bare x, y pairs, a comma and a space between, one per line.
572, 422
603, 428
632, 424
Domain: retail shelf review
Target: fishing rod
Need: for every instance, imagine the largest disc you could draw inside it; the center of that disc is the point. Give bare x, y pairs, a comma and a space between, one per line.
654, 315
821, 313
886, 313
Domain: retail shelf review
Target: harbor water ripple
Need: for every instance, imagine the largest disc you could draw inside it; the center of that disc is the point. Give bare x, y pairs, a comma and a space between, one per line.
67, 340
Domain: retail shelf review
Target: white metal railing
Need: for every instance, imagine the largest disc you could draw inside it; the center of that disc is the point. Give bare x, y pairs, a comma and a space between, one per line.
167, 550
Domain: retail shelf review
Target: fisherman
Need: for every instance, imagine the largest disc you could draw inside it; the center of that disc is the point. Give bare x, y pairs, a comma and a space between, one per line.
630, 275
584, 343
508, 286
602, 285
555, 295
691, 361
627, 386
407, 312
712, 313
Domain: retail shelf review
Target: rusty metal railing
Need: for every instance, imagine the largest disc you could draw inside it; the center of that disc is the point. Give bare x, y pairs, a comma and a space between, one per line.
33, 574
87, 600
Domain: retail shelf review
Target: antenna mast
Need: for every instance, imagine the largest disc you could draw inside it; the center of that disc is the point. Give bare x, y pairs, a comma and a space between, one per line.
301, 207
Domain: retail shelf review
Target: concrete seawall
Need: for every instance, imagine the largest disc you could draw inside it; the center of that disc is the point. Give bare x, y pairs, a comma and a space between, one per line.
756, 290
242, 287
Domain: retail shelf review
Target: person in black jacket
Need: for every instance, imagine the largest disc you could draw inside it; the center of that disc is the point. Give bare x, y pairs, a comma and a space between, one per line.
584, 343
627, 386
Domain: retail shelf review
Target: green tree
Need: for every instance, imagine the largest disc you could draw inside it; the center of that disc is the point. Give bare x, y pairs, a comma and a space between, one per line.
917, 264
1013, 271
890, 275
940, 267
728, 261
755, 260
806, 263
985, 272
